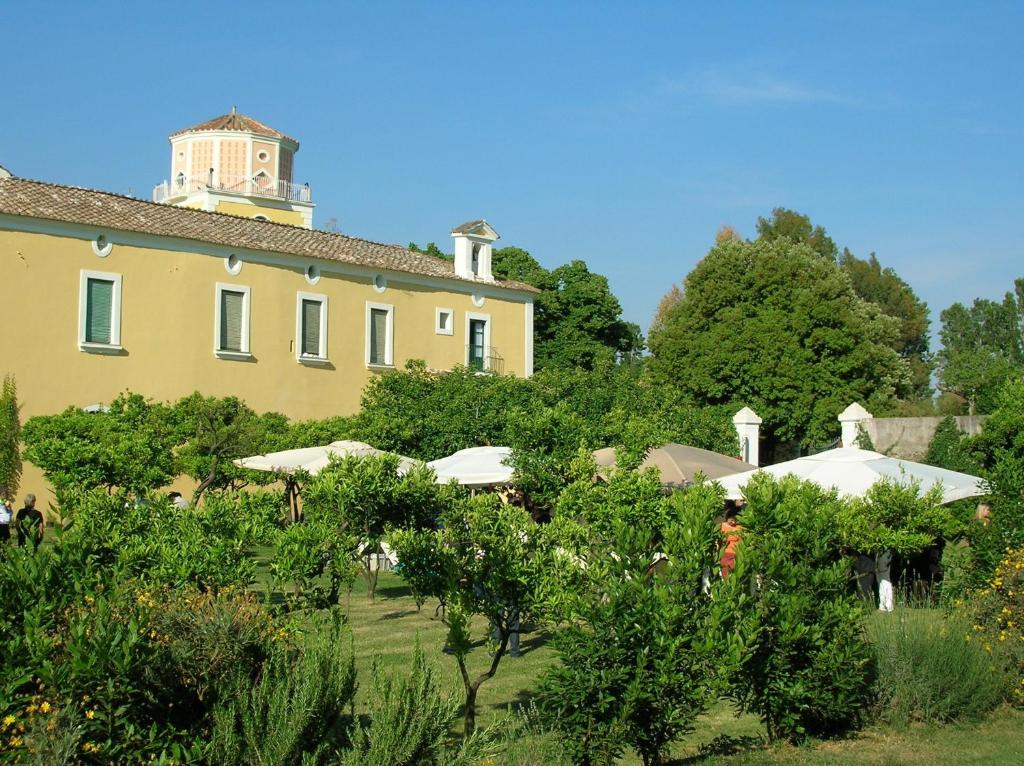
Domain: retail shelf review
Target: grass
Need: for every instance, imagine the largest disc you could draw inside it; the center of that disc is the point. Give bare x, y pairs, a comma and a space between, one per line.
389, 628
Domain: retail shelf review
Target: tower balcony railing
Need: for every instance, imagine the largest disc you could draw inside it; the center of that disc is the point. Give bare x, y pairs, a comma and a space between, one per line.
255, 186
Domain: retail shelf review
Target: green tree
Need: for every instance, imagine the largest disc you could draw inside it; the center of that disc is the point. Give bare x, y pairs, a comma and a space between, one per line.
10, 439
773, 326
516, 263
952, 449
982, 347
1001, 444
894, 296
487, 559
808, 669
578, 321
362, 498
211, 432
796, 228
128, 447
641, 654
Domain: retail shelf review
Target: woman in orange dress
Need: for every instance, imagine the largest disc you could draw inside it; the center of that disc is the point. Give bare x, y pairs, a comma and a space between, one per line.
732, 531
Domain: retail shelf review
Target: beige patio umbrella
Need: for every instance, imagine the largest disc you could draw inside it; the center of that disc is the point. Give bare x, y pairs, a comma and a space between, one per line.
678, 464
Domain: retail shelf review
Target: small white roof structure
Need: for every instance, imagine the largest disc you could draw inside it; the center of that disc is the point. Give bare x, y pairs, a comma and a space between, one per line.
475, 467
853, 471
315, 459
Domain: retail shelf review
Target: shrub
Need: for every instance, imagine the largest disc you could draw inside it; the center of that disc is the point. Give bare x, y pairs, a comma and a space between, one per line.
10, 435
999, 620
296, 711
251, 518
149, 539
808, 669
929, 669
642, 654
409, 722
204, 642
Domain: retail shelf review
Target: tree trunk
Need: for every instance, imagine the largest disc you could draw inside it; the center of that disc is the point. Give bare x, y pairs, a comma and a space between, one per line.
371, 577
472, 687
206, 484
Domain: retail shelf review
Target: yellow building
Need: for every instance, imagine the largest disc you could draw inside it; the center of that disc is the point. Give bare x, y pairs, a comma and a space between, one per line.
102, 293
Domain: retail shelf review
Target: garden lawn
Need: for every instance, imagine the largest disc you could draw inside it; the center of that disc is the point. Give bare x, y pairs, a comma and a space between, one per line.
388, 629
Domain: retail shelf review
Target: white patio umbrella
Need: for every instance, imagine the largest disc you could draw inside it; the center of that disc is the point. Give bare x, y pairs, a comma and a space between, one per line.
312, 460
476, 467
853, 471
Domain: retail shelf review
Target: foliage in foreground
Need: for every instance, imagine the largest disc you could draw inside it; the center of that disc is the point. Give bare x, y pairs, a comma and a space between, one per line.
930, 669
809, 669
298, 709
641, 654
10, 435
999, 620
486, 559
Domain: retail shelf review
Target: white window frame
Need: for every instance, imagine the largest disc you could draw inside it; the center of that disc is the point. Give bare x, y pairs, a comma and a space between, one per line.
438, 327
246, 301
321, 357
486, 318
389, 341
115, 312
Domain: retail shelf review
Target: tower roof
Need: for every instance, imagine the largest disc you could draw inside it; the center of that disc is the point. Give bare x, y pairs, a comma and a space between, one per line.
235, 121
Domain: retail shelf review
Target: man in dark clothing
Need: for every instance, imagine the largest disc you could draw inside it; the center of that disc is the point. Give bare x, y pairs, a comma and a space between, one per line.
30, 523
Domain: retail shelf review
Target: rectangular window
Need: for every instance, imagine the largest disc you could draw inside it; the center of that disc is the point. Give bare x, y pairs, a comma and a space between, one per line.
444, 321
99, 323
231, 321
478, 341
380, 330
311, 327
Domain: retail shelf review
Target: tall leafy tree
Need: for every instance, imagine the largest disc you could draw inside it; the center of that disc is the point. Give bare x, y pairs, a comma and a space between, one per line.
486, 559
982, 347
885, 288
641, 654
578, 321
796, 228
212, 432
128, 447
10, 436
773, 325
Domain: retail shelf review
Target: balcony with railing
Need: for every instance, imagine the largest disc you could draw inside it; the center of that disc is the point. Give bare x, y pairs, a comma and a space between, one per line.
485, 359
255, 186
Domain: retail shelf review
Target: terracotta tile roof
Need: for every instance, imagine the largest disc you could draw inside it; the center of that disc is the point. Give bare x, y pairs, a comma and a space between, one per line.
236, 121
72, 204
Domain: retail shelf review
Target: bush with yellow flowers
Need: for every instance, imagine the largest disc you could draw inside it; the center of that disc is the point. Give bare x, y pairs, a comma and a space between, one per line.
999, 619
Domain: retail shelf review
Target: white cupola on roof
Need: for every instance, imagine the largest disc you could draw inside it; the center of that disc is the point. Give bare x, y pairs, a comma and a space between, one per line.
474, 242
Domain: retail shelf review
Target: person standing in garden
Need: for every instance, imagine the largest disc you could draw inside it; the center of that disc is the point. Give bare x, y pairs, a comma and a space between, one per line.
6, 511
732, 531
30, 523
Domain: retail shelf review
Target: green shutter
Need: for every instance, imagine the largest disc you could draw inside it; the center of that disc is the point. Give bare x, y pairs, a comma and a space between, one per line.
378, 336
231, 320
311, 327
99, 310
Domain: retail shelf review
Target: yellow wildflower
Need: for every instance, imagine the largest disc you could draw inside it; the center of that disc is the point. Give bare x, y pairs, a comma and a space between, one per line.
45, 707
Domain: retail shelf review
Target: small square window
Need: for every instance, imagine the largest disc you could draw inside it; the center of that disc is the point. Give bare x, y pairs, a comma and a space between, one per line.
99, 321
231, 320
444, 321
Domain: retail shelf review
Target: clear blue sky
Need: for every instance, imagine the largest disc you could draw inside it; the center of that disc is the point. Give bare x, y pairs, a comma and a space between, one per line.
625, 134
